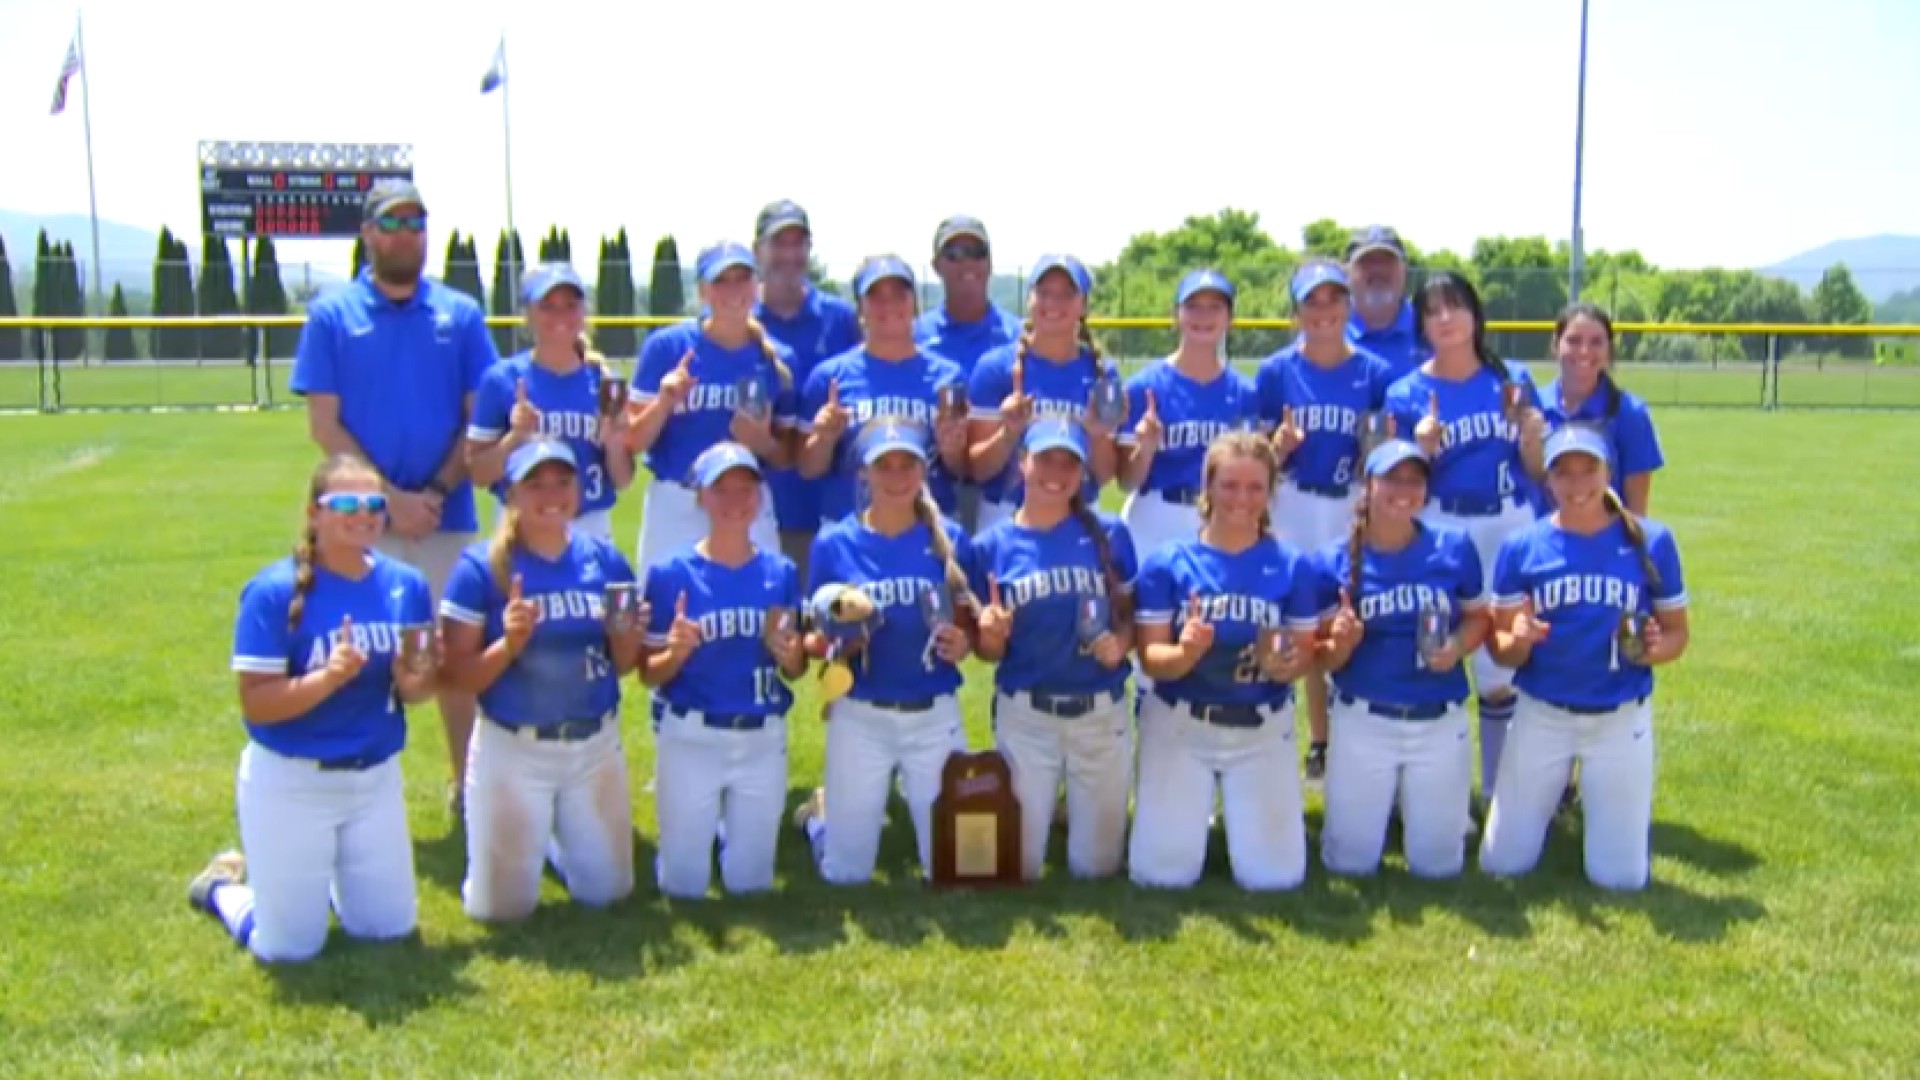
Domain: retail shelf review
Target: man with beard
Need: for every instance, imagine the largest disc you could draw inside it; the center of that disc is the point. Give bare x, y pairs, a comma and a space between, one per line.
388, 366
1382, 320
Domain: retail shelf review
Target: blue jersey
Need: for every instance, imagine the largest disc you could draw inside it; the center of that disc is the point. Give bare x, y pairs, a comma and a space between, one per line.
1042, 577
894, 571
706, 417
1327, 404
565, 673
1397, 343
362, 719
1193, 414
731, 605
1057, 389
871, 387
402, 372
1581, 586
1439, 570
824, 327
1480, 451
1631, 439
569, 411
1271, 584
965, 343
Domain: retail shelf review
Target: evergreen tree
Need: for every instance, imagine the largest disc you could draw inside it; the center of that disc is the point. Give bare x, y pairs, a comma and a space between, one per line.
614, 297
120, 345
9, 335
506, 289
666, 295
267, 295
73, 301
217, 297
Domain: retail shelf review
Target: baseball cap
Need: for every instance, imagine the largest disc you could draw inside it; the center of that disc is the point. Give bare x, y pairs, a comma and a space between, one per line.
386, 194
720, 459
1055, 433
784, 214
1577, 439
1315, 274
1394, 451
1375, 238
879, 269
550, 276
959, 225
1076, 270
883, 438
722, 257
529, 456
1199, 281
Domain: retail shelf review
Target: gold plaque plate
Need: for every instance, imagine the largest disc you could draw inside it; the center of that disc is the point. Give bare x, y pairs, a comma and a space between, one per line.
976, 844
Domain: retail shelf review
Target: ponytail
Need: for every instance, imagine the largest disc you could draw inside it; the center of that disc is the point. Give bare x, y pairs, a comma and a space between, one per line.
506, 535
1092, 345
928, 511
1612, 390
590, 356
1490, 359
1356, 545
772, 354
302, 577
1636, 534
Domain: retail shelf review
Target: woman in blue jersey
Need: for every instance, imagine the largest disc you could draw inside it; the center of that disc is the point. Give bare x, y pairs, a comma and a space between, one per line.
902, 712
1226, 623
1478, 420
1411, 604
1058, 625
724, 638
554, 389
1176, 408
527, 629
1586, 393
1050, 371
1314, 395
1587, 602
890, 374
687, 396
316, 645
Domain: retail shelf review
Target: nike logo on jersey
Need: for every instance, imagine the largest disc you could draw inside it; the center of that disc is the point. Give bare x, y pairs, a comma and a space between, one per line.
1572, 589
399, 592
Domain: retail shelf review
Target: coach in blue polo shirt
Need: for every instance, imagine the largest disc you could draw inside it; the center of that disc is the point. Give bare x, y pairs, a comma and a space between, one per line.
388, 365
1382, 320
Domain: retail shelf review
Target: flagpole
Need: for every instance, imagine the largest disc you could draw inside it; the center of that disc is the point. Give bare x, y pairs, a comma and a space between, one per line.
86, 119
506, 137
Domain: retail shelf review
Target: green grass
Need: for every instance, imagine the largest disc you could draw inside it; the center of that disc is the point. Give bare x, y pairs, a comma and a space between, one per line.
1781, 936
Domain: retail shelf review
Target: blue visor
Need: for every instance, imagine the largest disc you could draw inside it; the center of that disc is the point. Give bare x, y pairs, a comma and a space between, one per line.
721, 258
531, 455
720, 459
1313, 275
1076, 271
1578, 439
1199, 281
881, 268
548, 277
1391, 453
1055, 433
881, 439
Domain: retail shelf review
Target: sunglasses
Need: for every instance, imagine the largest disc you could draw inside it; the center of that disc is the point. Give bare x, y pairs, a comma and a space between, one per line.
393, 223
353, 503
961, 252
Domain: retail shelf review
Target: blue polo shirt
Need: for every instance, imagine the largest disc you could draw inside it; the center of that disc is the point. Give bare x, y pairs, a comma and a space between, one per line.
403, 372
965, 343
1398, 343
825, 326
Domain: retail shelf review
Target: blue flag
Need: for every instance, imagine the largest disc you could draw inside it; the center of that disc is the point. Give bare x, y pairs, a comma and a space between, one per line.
497, 74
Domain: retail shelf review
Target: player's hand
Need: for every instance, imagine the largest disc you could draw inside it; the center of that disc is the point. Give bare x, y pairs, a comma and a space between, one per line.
951, 436
679, 383
785, 644
1149, 431
1528, 629
950, 643
1445, 658
1658, 647
683, 635
414, 514
524, 420
1533, 428
1107, 651
1088, 421
749, 432
345, 659
1346, 630
616, 429
520, 617
1288, 436
832, 419
1196, 633
1430, 431
1016, 409
996, 622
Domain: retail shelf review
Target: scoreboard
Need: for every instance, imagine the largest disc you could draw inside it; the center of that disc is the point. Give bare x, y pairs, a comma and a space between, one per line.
292, 189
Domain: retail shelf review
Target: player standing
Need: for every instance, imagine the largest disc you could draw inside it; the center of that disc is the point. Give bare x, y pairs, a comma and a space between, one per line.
553, 389
1050, 371
1314, 395
901, 713
1226, 623
526, 628
323, 818
1400, 724
724, 638
1058, 625
1382, 321
388, 366
1587, 602
1585, 393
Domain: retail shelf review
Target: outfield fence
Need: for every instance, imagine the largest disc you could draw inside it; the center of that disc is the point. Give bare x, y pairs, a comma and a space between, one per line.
1791, 370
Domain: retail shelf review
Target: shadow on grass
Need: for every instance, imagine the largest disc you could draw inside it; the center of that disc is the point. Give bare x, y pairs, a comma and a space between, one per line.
384, 982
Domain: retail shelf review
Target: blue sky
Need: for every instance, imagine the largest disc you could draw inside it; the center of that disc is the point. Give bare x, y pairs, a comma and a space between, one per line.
1718, 132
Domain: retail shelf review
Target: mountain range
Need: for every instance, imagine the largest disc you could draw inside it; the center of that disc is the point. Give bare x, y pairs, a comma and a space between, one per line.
1880, 265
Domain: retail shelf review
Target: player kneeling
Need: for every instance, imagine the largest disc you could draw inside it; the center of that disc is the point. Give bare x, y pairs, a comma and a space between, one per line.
527, 629
724, 638
322, 817
1411, 604
1221, 708
1587, 602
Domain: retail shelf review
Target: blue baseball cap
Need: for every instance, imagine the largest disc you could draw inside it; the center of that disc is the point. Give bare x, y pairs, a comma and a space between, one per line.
1076, 270
1578, 439
720, 459
529, 456
883, 438
879, 269
1375, 238
1199, 281
1315, 274
1055, 433
550, 276
723, 257
1392, 452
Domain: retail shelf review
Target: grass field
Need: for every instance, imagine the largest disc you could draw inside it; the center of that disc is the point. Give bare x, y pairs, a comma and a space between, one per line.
1780, 938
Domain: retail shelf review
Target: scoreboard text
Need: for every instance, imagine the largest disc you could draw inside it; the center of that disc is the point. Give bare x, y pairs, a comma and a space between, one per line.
287, 201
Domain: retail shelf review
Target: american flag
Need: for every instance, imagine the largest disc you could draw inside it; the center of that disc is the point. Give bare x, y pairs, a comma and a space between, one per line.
68, 69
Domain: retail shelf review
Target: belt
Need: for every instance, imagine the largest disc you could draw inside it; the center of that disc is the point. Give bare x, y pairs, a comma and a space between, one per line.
1070, 706
1476, 505
1400, 712
564, 731
1227, 716
1596, 710
916, 705
716, 720
359, 763
1185, 496
1325, 491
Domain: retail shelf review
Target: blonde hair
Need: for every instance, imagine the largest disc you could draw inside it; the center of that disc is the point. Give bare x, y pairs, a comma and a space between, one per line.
928, 511
506, 536
1636, 533
1235, 446
332, 468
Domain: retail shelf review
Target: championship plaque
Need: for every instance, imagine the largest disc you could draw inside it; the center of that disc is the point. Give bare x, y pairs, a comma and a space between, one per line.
976, 824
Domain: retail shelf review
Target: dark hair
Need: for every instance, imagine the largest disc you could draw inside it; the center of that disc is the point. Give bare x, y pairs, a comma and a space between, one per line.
1582, 310
1454, 290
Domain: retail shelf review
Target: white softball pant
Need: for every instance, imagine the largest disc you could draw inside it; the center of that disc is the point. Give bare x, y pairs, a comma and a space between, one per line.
703, 775
1615, 752
671, 521
1372, 761
1258, 771
1487, 534
527, 797
866, 745
316, 838
1094, 754
1310, 522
